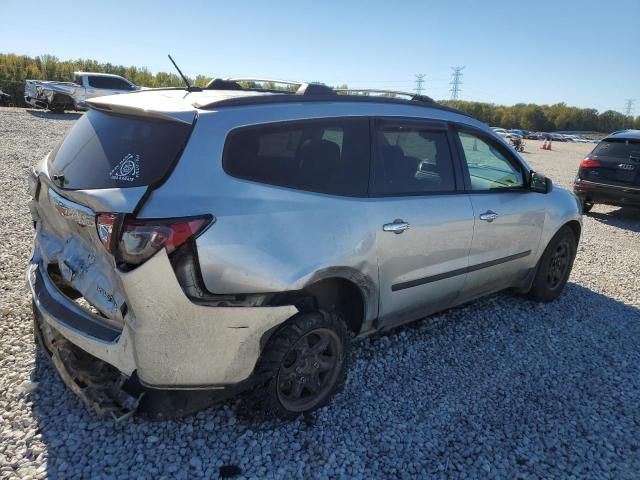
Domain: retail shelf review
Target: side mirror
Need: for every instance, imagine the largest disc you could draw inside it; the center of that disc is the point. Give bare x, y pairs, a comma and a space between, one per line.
539, 183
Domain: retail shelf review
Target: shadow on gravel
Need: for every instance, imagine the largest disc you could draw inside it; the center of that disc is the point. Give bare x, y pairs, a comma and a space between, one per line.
627, 218
499, 385
54, 116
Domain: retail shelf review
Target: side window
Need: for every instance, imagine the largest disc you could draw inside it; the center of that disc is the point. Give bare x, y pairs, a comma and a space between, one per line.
78, 79
94, 82
327, 156
109, 83
412, 160
489, 168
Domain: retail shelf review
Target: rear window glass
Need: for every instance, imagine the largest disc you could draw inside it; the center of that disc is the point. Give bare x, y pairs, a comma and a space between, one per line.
618, 148
326, 156
111, 151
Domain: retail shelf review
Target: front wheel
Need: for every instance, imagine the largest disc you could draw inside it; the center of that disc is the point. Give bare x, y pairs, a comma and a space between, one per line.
304, 364
554, 266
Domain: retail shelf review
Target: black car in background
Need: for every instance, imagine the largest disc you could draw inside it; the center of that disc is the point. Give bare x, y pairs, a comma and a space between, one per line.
610, 174
5, 99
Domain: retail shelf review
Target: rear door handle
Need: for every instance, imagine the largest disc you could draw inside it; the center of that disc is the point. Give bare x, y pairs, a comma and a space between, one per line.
397, 226
488, 216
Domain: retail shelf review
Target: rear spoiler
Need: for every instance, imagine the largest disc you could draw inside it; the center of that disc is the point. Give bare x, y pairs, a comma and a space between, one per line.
122, 104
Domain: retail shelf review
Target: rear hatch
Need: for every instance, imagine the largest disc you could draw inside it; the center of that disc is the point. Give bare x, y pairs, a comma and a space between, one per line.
614, 161
102, 168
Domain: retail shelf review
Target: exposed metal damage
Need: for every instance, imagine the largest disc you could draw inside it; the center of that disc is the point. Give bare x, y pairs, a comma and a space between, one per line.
98, 385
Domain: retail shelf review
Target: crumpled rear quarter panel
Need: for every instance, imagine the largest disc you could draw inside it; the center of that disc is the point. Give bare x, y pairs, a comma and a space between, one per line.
180, 344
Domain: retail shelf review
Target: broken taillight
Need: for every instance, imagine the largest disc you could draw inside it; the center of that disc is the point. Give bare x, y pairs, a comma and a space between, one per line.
139, 240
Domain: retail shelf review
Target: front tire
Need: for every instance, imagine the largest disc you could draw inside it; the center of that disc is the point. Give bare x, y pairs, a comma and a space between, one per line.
554, 267
304, 364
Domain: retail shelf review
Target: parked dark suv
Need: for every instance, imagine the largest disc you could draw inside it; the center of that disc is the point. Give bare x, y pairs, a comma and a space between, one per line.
610, 174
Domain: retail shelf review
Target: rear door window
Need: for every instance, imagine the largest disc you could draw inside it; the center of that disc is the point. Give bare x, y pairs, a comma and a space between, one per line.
113, 151
108, 83
327, 156
411, 160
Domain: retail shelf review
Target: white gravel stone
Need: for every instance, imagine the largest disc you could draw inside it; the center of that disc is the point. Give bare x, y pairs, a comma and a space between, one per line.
502, 387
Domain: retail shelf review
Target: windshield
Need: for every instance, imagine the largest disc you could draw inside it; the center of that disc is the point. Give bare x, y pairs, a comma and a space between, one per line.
113, 151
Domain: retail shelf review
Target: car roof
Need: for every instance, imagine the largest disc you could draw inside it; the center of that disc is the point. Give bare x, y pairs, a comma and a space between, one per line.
181, 99
98, 74
625, 134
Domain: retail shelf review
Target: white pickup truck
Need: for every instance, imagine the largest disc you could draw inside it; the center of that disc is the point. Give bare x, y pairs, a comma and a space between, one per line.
61, 96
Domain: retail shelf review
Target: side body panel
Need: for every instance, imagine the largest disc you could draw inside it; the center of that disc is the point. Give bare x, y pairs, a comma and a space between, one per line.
507, 247
422, 268
268, 238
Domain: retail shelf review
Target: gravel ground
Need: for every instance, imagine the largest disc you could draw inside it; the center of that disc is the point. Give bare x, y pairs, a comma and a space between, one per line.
501, 388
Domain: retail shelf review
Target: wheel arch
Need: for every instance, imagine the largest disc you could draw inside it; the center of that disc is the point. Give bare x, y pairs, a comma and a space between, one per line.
348, 291
575, 226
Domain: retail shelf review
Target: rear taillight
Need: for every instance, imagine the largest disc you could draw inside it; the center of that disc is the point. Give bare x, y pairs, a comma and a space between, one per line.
105, 223
139, 240
589, 163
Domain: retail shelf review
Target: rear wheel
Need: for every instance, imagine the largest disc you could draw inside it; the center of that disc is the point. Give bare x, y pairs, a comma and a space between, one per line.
586, 206
304, 364
554, 267
56, 108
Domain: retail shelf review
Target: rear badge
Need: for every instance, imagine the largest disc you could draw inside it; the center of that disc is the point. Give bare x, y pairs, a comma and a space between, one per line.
128, 169
626, 166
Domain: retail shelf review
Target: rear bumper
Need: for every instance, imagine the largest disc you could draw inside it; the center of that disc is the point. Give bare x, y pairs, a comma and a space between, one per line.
168, 341
607, 194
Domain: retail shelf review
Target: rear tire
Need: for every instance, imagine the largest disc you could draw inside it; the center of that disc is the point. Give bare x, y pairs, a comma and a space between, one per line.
587, 206
554, 267
56, 108
304, 364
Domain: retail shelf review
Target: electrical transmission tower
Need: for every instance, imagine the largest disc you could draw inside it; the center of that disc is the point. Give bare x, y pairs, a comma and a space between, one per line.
456, 82
628, 109
419, 82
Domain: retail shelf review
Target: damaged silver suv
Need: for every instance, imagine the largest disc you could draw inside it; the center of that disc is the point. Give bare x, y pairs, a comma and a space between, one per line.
229, 238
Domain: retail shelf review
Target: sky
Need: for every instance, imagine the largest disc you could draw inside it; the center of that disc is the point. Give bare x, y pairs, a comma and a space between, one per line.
584, 53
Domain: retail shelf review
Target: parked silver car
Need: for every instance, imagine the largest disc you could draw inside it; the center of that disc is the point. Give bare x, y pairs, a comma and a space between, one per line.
234, 239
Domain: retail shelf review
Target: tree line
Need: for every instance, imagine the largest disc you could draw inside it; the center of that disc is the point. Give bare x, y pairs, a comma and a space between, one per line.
15, 69
546, 118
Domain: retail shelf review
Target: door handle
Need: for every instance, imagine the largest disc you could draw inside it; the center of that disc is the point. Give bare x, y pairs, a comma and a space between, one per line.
397, 226
488, 216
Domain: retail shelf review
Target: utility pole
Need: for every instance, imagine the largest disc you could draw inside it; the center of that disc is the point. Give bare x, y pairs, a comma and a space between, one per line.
628, 110
456, 82
419, 82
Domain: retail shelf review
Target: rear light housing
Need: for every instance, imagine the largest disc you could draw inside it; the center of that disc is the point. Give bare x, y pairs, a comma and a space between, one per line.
135, 241
590, 163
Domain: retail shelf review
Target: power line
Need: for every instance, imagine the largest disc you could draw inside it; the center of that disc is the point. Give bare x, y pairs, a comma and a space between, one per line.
456, 82
419, 82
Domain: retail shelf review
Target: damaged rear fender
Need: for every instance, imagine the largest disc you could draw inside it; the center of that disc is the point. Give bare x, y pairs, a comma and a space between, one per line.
179, 344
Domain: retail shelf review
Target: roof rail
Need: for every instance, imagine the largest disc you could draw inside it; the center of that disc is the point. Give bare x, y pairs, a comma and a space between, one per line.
303, 88
383, 93
264, 80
